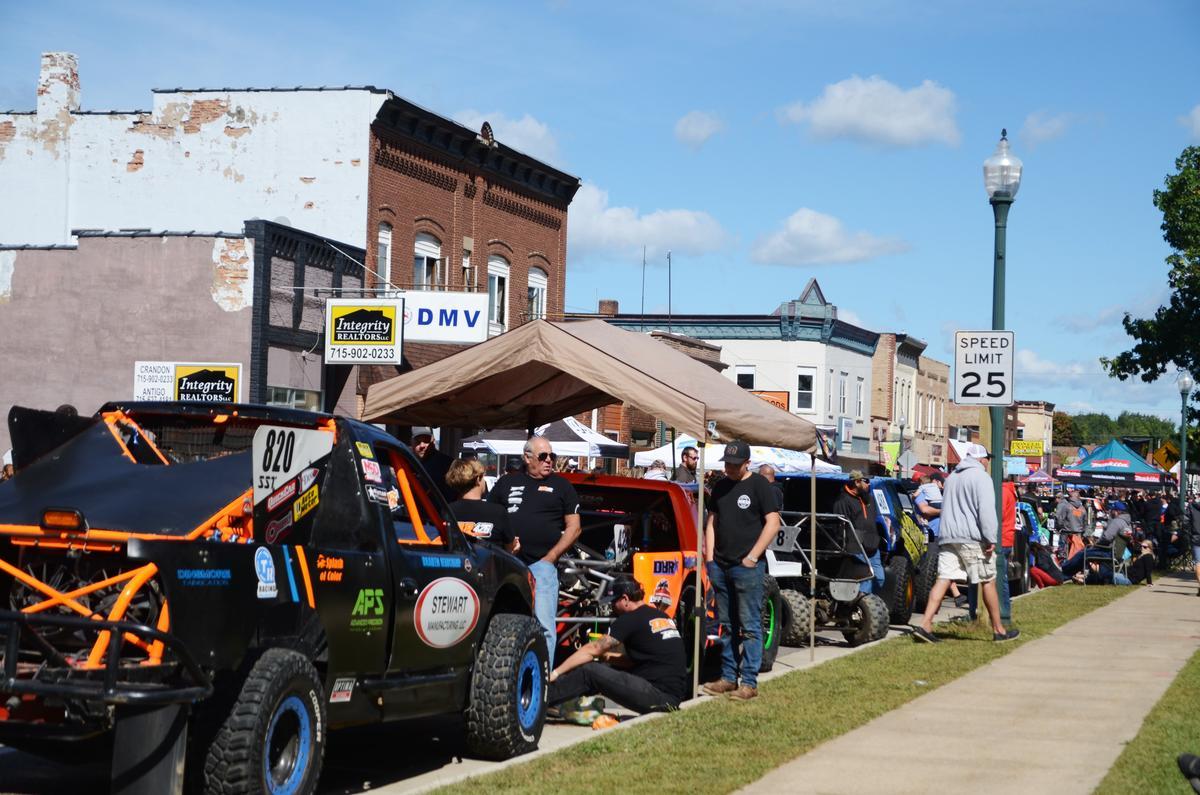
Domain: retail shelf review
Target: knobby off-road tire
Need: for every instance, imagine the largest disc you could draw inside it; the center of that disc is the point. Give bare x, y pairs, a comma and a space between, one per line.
799, 611
508, 689
926, 577
772, 623
872, 616
898, 589
273, 738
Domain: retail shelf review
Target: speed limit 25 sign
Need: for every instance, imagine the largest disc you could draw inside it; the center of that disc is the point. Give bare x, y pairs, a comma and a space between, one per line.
983, 368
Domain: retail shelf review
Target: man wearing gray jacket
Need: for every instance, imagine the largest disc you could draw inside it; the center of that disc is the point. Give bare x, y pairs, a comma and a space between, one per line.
967, 542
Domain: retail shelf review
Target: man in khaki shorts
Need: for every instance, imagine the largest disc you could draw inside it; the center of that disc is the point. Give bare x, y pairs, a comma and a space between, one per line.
967, 539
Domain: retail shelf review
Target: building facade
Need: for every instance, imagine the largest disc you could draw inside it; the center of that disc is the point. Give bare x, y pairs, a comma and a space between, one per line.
894, 402
1035, 420
929, 426
801, 358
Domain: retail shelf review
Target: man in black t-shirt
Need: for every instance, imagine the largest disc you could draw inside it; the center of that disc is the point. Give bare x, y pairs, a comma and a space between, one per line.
657, 678
743, 518
436, 463
476, 517
543, 509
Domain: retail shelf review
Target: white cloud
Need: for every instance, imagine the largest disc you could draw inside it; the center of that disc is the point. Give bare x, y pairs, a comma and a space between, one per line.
812, 238
525, 134
1041, 126
696, 127
1192, 122
875, 111
1031, 364
1086, 320
1082, 385
850, 316
596, 227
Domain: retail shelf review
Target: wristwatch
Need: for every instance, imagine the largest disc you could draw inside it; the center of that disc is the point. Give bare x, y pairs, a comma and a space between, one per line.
751, 558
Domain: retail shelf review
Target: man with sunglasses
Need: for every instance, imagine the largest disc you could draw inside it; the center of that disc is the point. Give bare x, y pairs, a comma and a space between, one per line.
543, 510
686, 471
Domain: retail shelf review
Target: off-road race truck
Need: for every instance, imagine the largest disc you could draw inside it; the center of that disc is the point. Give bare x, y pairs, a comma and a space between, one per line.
646, 528
213, 588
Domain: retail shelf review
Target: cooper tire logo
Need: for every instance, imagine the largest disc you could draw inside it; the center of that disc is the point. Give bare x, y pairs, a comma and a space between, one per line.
446, 613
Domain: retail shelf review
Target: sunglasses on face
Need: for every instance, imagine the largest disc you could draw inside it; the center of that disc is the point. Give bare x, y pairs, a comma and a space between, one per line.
546, 456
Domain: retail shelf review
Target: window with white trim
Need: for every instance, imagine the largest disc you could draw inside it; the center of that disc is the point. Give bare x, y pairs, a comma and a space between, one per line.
805, 376
498, 271
829, 395
842, 394
383, 256
920, 414
427, 263
744, 373
538, 279
860, 388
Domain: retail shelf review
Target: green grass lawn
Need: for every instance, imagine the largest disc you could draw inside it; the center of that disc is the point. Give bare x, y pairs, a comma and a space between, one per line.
1148, 763
722, 745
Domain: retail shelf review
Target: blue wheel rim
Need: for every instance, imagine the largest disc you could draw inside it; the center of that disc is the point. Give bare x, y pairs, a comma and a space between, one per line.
294, 769
529, 690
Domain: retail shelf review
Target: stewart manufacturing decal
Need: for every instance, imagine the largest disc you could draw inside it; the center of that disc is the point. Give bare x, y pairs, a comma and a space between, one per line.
264, 569
341, 691
371, 471
446, 612
284, 454
367, 615
278, 528
366, 330
305, 503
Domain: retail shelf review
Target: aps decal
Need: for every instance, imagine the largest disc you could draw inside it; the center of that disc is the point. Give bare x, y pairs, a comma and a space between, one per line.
367, 615
446, 612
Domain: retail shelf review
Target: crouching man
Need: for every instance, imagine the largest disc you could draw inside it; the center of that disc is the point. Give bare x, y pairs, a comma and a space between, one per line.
656, 679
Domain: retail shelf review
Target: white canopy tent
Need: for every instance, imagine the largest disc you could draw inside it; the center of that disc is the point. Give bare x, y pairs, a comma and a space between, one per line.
568, 438
785, 462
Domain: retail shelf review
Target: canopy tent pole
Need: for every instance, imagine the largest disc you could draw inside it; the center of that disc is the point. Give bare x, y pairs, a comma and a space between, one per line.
698, 607
812, 561
673, 462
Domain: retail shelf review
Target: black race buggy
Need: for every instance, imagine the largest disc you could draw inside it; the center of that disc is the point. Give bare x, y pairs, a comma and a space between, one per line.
235, 581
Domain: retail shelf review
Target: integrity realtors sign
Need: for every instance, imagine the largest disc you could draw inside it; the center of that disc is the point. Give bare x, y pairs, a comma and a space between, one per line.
364, 330
206, 382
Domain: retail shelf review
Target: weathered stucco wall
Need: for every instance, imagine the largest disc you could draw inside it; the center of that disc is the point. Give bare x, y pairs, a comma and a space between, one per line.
74, 321
204, 160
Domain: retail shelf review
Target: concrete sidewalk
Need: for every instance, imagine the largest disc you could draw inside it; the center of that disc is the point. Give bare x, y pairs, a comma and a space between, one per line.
1053, 714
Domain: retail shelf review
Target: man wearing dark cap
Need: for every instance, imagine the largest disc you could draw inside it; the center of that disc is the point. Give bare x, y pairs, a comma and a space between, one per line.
656, 679
855, 504
743, 518
436, 463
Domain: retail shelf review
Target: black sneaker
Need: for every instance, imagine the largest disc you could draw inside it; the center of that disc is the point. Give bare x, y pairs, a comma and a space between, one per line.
1001, 637
924, 636
1189, 766
961, 602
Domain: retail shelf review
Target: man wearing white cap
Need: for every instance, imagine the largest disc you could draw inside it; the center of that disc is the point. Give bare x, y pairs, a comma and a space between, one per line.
967, 542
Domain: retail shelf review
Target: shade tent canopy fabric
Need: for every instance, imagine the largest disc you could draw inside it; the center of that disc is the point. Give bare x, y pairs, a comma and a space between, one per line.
567, 437
1114, 464
783, 461
1040, 476
545, 370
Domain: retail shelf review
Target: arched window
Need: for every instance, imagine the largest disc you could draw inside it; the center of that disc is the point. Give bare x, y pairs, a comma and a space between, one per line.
427, 262
498, 271
537, 293
383, 256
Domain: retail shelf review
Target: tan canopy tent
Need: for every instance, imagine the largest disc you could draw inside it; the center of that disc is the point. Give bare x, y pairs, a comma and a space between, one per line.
543, 371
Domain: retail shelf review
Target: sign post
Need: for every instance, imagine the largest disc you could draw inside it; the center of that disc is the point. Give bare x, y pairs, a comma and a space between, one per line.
983, 376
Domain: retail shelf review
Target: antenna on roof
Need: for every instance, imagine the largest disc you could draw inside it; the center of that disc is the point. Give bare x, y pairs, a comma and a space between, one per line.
643, 287
670, 330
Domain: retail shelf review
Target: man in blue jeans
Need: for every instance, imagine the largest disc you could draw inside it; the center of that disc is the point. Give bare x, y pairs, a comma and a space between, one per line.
743, 518
543, 510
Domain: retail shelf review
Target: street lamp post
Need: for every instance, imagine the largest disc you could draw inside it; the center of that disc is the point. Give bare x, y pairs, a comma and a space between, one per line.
1001, 180
1185, 384
900, 453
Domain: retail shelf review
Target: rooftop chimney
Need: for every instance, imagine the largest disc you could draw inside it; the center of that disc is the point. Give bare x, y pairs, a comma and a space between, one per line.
608, 307
58, 85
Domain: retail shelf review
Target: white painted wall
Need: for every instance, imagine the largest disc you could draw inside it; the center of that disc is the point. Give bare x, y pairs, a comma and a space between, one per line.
205, 161
776, 362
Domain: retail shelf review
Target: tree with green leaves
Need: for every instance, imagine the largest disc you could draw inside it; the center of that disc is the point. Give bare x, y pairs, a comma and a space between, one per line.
1171, 338
1063, 429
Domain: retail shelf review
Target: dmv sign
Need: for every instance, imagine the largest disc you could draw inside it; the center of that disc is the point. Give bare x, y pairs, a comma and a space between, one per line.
444, 316
983, 368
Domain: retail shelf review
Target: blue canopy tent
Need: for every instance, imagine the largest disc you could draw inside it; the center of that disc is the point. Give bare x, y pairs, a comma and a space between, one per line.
1114, 464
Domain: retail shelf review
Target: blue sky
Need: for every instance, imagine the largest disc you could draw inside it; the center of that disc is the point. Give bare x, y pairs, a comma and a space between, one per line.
763, 142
